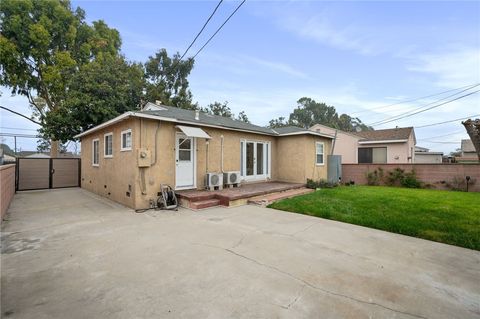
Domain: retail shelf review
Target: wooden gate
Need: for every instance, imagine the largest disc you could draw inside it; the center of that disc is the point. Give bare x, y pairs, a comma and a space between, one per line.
44, 173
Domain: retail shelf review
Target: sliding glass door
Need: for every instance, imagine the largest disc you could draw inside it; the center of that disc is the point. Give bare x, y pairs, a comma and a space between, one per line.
255, 160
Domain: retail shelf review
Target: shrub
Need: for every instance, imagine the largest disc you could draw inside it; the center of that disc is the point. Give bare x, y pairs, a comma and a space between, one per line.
320, 184
410, 180
395, 177
374, 178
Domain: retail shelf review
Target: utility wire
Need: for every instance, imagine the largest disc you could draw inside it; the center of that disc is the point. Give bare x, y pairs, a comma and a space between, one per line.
423, 106
201, 30
411, 100
454, 132
450, 121
16, 128
218, 30
424, 110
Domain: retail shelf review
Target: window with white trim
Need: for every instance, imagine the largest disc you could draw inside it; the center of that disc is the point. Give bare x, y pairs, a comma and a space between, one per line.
319, 148
95, 151
108, 145
126, 140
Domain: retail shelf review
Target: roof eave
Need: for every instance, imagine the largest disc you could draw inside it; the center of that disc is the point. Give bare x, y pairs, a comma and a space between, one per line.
307, 133
382, 141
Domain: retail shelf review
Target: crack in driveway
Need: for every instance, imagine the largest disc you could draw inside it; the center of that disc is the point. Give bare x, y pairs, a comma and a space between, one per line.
308, 284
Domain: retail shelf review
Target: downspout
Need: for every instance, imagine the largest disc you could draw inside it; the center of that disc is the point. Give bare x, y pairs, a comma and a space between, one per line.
221, 141
333, 144
156, 146
143, 185
207, 143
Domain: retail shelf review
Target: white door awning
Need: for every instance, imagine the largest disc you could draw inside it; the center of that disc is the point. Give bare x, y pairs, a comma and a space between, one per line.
193, 131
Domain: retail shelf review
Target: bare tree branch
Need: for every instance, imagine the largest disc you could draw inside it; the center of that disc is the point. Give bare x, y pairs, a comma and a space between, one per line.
19, 114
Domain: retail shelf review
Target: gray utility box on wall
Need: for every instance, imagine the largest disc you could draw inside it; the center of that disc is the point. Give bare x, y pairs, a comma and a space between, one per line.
334, 165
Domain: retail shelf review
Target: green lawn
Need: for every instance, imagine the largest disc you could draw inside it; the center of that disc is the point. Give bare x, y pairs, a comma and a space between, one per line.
444, 216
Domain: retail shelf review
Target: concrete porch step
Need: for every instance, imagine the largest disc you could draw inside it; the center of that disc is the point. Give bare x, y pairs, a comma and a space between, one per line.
204, 203
267, 199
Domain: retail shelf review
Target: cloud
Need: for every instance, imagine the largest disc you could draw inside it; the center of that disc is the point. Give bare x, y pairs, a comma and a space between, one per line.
452, 69
276, 67
241, 64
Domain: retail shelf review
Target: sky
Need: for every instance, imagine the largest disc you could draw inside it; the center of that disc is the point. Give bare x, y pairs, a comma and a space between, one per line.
356, 56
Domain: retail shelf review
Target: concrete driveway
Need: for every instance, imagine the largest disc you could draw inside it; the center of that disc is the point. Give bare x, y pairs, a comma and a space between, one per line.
70, 254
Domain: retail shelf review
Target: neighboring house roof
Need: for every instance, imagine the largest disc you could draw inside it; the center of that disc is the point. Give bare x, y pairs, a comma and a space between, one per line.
467, 146
398, 134
178, 115
294, 130
317, 128
37, 155
420, 149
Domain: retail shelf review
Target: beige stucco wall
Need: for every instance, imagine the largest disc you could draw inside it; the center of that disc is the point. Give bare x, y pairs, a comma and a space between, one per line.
115, 176
163, 172
296, 158
346, 144
292, 159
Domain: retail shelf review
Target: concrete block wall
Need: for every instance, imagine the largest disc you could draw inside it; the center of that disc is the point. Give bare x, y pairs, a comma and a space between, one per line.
437, 175
7, 187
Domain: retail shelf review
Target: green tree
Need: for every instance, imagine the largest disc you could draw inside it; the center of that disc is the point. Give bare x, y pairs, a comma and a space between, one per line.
100, 90
218, 108
278, 122
42, 46
242, 116
167, 80
310, 112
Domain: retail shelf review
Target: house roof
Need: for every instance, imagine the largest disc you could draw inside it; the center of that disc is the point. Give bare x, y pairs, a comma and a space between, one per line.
317, 128
295, 130
178, 115
467, 146
393, 134
204, 118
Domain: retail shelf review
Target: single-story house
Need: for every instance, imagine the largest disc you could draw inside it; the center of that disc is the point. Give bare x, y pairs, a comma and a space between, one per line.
425, 156
128, 157
389, 146
346, 143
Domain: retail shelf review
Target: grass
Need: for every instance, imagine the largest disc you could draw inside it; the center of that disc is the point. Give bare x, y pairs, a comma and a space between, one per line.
443, 216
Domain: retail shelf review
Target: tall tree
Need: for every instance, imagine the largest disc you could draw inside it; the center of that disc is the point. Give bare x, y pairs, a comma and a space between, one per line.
167, 80
278, 122
100, 90
473, 130
310, 112
242, 116
218, 108
42, 45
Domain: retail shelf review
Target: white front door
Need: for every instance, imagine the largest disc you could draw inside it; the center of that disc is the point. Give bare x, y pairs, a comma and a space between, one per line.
185, 162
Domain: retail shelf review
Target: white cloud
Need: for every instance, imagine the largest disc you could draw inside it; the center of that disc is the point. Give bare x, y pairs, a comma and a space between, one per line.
452, 69
277, 67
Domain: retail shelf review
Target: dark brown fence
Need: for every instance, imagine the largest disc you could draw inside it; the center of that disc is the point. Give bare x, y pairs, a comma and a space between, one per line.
439, 176
42, 173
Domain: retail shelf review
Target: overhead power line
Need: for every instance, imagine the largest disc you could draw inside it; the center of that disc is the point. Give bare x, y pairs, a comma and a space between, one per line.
411, 100
436, 136
424, 110
19, 129
203, 28
19, 135
220, 28
20, 114
423, 106
450, 121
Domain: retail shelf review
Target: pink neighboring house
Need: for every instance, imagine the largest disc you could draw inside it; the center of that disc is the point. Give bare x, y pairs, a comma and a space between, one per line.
389, 146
